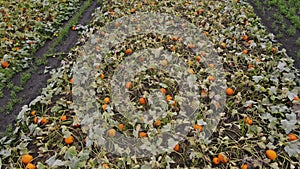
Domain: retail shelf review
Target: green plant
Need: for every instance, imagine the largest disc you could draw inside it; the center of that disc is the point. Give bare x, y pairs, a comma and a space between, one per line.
274, 26
283, 26
10, 105
277, 17
298, 54
17, 88
291, 31
13, 95
10, 85
9, 130
298, 42
41, 61
258, 4
279, 35
24, 78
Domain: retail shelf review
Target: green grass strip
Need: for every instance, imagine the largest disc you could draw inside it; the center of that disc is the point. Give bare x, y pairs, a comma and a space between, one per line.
64, 31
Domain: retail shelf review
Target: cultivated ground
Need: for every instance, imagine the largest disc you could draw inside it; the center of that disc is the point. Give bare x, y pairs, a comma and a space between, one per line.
258, 123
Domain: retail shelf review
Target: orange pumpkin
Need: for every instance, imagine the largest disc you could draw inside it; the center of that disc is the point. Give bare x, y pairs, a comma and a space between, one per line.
26, 158
229, 91
245, 166
142, 134
271, 154
69, 140
223, 158
142, 101
63, 118
198, 127
292, 137
128, 51
121, 127
176, 147
4, 64
157, 123
128, 85
30, 166
216, 160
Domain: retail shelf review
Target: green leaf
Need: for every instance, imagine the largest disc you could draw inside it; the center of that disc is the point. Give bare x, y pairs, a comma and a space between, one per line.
71, 153
52, 162
293, 148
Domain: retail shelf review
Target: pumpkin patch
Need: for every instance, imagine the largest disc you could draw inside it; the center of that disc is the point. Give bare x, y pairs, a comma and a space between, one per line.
253, 98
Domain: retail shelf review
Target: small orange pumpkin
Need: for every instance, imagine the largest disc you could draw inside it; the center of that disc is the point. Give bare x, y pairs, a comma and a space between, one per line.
271, 154
27, 158
4, 64
142, 134
198, 127
292, 137
128, 51
223, 158
69, 140
157, 123
229, 91
176, 147
121, 127
216, 160
142, 101
30, 166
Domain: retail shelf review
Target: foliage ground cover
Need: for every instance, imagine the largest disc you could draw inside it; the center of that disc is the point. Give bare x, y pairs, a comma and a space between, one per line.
260, 121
